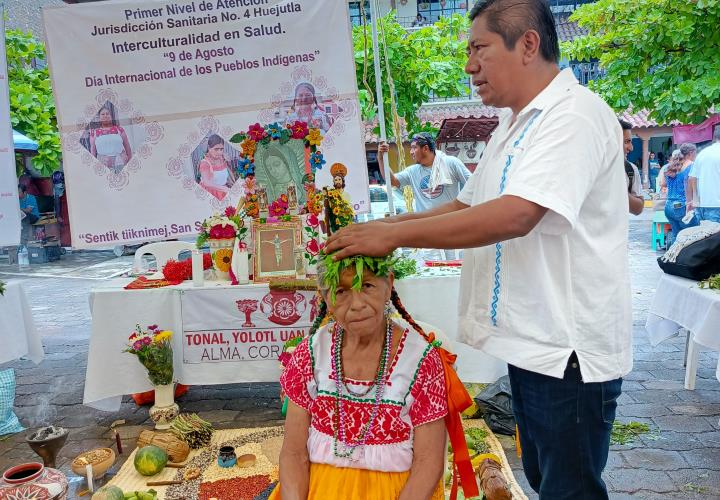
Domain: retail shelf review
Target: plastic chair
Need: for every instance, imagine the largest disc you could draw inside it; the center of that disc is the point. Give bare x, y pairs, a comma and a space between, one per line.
162, 251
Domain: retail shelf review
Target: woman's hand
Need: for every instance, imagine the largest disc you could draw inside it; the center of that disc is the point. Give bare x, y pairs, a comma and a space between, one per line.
429, 455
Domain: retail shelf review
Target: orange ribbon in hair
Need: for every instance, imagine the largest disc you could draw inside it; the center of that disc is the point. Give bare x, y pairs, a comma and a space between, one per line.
458, 401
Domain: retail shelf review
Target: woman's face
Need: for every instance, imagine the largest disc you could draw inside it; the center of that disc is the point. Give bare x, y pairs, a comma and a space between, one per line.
105, 117
361, 312
276, 166
216, 152
304, 97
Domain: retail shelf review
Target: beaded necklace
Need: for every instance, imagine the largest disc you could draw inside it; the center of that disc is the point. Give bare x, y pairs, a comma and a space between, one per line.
340, 416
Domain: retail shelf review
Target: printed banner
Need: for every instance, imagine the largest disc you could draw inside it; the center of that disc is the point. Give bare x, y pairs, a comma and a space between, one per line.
239, 324
149, 95
9, 203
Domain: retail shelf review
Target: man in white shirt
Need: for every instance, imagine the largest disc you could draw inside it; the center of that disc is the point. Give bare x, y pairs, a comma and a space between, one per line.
546, 285
419, 178
703, 187
636, 199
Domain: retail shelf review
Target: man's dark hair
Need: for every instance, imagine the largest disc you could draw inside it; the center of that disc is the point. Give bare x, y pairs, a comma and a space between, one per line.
512, 18
22, 188
424, 139
625, 125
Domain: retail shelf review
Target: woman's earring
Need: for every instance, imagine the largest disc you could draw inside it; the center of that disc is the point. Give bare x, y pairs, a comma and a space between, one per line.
388, 308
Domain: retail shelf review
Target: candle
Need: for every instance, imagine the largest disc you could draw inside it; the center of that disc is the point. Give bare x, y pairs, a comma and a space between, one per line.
198, 275
243, 267
118, 442
89, 474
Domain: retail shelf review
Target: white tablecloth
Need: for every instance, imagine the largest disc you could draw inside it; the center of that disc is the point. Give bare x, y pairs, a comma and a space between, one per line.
17, 328
115, 312
681, 303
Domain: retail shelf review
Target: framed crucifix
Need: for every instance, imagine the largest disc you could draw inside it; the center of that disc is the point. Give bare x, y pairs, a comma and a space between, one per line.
275, 245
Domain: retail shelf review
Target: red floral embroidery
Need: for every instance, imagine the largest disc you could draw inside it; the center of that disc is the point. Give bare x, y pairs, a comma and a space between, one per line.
388, 427
297, 374
429, 391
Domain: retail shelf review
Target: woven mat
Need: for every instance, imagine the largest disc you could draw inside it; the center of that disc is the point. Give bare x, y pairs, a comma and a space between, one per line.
496, 448
128, 479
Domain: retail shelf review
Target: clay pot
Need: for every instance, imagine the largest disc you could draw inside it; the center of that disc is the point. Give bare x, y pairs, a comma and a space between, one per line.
33, 480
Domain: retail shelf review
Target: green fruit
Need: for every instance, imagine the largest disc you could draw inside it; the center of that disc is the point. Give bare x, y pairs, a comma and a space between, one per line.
149, 460
145, 496
109, 493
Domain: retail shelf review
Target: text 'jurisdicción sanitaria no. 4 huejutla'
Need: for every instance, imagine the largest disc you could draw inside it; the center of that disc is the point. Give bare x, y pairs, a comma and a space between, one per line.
206, 51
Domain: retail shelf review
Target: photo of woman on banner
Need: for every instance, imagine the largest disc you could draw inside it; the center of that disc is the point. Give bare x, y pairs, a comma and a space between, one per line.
279, 165
108, 140
216, 176
305, 108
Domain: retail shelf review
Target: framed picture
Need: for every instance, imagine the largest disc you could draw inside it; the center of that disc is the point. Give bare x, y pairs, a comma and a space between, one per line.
275, 245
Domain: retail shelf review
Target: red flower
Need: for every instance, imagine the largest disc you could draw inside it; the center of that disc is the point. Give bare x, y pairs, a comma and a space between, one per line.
207, 261
147, 341
256, 132
312, 247
313, 221
299, 130
222, 232
152, 327
277, 209
283, 200
230, 211
133, 336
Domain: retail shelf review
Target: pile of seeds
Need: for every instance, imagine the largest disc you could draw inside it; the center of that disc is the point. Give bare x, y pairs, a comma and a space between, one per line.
190, 490
241, 488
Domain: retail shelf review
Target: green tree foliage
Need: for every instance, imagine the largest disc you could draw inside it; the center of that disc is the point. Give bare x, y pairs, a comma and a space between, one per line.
660, 55
32, 106
430, 59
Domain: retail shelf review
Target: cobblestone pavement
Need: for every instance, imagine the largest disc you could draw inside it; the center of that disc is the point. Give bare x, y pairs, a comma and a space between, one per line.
680, 458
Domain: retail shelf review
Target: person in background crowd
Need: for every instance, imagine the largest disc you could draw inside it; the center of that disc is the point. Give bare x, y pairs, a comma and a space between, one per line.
703, 188
653, 170
29, 207
435, 179
545, 217
420, 20
662, 185
636, 199
661, 158
675, 180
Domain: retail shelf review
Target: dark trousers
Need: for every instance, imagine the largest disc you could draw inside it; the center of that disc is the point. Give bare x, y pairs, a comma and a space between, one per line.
565, 427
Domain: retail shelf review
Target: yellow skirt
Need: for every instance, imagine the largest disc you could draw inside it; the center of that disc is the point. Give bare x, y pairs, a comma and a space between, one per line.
327, 482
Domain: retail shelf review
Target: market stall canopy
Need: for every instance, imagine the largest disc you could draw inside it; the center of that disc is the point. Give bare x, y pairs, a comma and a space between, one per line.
466, 129
23, 143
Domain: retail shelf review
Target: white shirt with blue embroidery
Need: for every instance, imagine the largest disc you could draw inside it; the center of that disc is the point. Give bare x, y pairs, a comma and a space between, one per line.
565, 286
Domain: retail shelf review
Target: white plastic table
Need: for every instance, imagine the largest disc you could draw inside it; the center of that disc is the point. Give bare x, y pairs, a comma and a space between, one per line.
680, 303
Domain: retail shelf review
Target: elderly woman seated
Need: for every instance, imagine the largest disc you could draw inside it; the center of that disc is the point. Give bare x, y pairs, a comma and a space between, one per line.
368, 396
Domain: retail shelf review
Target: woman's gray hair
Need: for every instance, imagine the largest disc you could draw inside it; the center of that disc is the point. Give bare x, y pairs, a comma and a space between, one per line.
687, 148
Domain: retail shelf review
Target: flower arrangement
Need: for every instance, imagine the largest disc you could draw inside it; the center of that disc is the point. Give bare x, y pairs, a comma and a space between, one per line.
258, 134
341, 212
153, 350
227, 225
